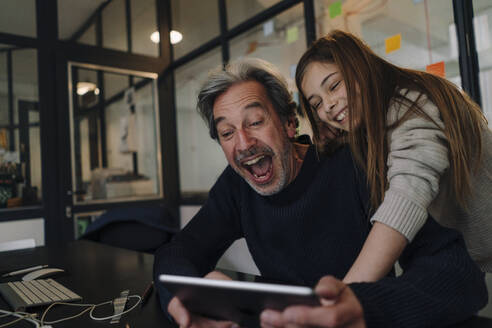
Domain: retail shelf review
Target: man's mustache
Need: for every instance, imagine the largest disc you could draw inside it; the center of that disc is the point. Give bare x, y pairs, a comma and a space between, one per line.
242, 154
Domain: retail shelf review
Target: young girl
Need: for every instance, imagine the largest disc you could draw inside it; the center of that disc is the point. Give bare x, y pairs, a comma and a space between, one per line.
424, 144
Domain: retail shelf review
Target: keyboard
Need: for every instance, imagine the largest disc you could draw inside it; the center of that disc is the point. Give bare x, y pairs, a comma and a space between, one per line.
25, 294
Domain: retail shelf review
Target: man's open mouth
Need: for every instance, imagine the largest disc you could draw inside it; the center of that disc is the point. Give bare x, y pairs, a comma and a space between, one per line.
260, 168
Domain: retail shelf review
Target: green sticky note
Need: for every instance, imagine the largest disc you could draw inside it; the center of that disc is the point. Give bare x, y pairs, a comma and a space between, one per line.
335, 9
292, 34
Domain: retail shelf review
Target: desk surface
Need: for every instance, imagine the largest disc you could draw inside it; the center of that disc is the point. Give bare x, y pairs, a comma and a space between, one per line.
99, 273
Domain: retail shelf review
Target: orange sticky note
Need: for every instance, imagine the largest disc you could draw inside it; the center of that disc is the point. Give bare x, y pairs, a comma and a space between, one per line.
252, 47
393, 43
438, 69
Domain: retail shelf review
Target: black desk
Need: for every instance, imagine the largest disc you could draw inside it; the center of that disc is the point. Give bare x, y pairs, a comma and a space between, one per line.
98, 273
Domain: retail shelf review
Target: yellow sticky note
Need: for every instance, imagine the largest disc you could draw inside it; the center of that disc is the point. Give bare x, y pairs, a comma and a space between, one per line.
292, 34
438, 69
393, 43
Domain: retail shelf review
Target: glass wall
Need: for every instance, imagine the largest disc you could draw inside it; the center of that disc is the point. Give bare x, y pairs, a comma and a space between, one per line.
414, 34
483, 29
239, 11
18, 17
115, 140
20, 157
200, 158
114, 26
196, 20
81, 20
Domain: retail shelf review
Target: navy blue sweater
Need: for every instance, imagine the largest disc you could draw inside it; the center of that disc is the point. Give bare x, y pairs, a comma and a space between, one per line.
316, 226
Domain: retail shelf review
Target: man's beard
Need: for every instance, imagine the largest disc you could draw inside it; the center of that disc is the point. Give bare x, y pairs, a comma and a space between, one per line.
282, 173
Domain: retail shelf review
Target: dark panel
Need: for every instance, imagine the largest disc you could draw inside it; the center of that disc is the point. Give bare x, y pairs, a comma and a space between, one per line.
10, 91
47, 19
108, 57
468, 57
309, 20
21, 41
223, 30
167, 114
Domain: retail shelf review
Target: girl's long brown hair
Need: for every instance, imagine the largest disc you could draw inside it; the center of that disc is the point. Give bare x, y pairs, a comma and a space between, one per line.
372, 84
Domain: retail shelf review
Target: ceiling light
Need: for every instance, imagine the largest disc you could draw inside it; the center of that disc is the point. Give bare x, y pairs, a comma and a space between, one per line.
84, 87
174, 36
155, 37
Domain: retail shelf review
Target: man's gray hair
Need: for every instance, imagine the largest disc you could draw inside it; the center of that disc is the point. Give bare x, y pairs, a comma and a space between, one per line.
243, 70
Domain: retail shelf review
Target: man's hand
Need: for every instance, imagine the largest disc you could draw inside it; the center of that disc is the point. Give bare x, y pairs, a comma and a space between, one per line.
189, 320
340, 308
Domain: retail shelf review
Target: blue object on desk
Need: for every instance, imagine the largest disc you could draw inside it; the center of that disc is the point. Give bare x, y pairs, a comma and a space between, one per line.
136, 228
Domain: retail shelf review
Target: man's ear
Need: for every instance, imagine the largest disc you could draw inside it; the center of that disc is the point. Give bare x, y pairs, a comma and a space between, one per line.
291, 126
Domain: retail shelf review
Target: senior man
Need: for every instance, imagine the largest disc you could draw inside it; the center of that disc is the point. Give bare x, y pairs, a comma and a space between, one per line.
304, 216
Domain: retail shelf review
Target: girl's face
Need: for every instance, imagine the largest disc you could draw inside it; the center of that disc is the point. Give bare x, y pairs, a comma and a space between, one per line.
325, 91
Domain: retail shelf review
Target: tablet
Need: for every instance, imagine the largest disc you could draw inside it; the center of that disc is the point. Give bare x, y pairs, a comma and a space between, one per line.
238, 301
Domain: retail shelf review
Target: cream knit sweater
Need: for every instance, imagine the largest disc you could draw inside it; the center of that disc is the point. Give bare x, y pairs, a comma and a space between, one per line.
419, 182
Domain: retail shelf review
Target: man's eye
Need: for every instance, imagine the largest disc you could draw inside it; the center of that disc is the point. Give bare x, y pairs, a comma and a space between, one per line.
334, 86
226, 134
256, 123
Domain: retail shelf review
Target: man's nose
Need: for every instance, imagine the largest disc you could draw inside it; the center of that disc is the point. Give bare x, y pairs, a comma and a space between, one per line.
244, 140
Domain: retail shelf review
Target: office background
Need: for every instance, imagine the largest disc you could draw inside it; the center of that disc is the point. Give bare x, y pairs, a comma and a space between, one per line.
97, 97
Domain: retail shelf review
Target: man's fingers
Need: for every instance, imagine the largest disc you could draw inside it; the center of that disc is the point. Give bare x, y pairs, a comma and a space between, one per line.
179, 312
317, 316
270, 319
329, 288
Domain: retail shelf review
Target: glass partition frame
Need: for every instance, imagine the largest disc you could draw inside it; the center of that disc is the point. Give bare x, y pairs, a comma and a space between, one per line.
136, 74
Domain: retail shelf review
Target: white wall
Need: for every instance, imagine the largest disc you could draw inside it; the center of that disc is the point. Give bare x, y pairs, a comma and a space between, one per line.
23, 229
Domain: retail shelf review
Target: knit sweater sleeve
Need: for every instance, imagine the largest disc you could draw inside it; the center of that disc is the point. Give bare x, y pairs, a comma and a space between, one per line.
195, 250
440, 284
417, 157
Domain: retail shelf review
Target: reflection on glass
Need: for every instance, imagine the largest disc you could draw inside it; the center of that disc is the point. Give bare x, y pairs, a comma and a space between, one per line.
196, 20
114, 26
20, 155
114, 84
423, 41
239, 11
200, 158
18, 17
144, 23
483, 40
115, 141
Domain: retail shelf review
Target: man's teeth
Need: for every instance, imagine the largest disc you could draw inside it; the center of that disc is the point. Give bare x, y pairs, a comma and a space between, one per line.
254, 160
341, 116
258, 176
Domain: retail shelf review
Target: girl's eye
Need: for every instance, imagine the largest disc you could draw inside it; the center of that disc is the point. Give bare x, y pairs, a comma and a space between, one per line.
334, 86
316, 106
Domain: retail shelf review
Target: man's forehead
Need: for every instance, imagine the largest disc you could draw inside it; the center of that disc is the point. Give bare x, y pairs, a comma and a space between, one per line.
241, 96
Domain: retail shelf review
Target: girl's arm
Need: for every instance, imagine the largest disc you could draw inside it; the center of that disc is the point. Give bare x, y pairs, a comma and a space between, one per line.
381, 250
418, 156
